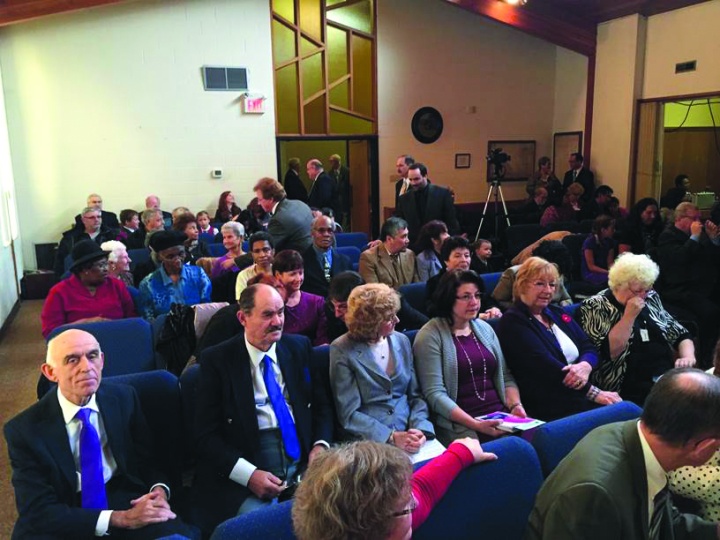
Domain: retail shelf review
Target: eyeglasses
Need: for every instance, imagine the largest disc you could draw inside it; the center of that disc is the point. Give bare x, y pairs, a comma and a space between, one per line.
640, 292
467, 297
544, 284
407, 511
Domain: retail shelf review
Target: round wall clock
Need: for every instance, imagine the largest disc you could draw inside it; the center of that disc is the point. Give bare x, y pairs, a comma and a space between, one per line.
427, 125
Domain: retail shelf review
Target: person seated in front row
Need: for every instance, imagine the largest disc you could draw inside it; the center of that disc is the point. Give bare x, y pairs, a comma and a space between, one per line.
566, 210
259, 420
430, 240
82, 456
455, 253
262, 250
377, 396
173, 282
304, 312
460, 365
194, 247
553, 251
89, 294
390, 261
368, 491
550, 356
636, 337
598, 251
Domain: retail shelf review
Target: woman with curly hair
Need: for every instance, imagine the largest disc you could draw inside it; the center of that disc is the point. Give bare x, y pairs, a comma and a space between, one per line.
368, 491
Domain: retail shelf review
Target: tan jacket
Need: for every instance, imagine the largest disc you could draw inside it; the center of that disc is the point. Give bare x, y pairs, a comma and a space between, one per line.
376, 266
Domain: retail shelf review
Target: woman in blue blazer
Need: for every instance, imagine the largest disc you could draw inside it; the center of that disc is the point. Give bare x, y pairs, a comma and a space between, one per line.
549, 354
377, 396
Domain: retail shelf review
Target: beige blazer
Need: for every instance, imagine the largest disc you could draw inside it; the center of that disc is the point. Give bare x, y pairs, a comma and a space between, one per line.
376, 266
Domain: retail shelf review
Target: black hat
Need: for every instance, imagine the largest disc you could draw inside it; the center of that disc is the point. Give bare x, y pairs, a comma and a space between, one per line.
166, 239
85, 252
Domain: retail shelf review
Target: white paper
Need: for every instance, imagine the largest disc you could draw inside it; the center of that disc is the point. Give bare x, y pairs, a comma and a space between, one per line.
431, 449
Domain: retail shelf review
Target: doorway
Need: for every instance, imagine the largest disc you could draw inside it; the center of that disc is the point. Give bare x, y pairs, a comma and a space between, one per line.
359, 155
678, 136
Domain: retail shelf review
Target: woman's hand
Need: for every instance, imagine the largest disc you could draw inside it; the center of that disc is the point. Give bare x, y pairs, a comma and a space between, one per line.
687, 361
478, 453
227, 264
577, 375
488, 427
518, 410
607, 398
492, 313
633, 307
410, 441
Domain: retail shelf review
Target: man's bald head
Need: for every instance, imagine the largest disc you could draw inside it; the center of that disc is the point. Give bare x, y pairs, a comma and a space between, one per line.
75, 362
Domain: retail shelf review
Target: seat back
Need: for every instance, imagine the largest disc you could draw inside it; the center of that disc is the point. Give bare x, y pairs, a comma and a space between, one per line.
490, 281
217, 250
521, 236
126, 343
414, 293
491, 499
189, 382
159, 395
273, 521
138, 256
574, 244
357, 239
554, 440
411, 334
351, 252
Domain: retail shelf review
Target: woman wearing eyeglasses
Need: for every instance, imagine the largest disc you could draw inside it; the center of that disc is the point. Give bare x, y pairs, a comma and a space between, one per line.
174, 282
89, 294
549, 354
460, 365
638, 340
368, 491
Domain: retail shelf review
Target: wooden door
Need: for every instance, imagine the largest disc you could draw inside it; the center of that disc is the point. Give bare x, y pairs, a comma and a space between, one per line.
361, 186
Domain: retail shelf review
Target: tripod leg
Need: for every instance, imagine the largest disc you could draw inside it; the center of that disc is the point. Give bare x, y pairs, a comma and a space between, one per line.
482, 218
507, 217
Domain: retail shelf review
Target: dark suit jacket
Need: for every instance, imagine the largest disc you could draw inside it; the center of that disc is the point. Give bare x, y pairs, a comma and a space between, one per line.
686, 266
536, 360
109, 219
586, 179
44, 474
599, 491
341, 177
290, 226
72, 237
294, 187
323, 193
439, 206
226, 421
315, 282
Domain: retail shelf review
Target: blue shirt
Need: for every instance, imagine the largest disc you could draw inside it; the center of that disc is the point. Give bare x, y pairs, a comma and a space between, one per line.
158, 292
321, 255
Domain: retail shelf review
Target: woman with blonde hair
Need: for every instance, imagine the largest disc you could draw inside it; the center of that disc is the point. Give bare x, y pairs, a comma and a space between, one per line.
637, 338
368, 491
377, 396
550, 356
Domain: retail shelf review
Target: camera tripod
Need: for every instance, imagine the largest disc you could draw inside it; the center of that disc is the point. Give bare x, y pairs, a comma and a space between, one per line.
495, 190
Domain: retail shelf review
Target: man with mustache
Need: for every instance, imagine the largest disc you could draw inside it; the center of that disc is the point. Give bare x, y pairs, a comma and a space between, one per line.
259, 419
81, 456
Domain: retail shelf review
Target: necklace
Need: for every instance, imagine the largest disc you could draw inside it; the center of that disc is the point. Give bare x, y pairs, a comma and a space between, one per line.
472, 373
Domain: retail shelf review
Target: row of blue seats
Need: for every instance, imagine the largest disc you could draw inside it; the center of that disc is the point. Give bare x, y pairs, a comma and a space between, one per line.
492, 500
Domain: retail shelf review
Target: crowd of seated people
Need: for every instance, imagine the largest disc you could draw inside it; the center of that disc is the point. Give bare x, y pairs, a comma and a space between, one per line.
469, 360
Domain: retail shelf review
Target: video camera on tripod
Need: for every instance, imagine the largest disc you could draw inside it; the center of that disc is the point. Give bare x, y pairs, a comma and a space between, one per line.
497, 158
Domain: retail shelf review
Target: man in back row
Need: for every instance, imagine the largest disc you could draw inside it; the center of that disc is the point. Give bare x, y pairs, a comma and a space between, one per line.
390, 261
613, 485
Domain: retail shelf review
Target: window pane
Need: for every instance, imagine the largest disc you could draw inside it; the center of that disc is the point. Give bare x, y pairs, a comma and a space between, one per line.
357, 16
338, 54
344, 124
285, 8
315, 116
286, 97
312, 75
362, 75
283, 43
310, 18
340, 95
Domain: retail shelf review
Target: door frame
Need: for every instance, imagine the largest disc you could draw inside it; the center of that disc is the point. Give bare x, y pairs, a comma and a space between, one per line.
373, 146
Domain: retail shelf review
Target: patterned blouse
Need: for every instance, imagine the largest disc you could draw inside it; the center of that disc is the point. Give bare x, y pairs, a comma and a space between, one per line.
700, 484
598, 314
158, 292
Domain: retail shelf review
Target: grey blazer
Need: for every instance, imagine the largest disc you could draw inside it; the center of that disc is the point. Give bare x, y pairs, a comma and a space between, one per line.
290, 226
369, 404
437, 368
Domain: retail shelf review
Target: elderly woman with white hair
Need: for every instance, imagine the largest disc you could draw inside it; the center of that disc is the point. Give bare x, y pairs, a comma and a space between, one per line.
118, 262
637, 338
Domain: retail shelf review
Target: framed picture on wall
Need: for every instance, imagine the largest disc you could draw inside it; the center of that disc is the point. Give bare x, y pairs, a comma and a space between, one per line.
564, 144
462, 161
515, 159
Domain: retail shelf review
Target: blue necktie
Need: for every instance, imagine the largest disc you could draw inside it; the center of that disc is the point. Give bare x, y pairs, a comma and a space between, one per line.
92, 488
285, 421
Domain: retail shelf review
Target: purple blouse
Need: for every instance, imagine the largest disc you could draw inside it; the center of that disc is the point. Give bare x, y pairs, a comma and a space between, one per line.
218, 270
480, 378
308, 318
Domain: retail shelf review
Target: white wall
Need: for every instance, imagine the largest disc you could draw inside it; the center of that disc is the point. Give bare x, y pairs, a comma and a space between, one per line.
9, 239
618, 83
571, 70
685, 34
111, 100
451, 60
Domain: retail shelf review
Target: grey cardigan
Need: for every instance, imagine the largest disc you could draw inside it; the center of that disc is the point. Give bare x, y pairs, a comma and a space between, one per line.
437, 368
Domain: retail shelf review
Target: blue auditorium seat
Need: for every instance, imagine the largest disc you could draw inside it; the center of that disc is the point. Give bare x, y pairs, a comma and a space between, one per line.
415, 295
217, 250
357, 239
490, 281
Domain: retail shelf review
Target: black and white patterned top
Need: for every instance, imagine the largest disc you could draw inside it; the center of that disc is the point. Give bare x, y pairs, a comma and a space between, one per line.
597, 316
701, 484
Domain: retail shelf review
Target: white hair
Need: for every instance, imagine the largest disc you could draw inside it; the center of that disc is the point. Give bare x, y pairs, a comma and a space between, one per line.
236, 228
631, 267
115, 248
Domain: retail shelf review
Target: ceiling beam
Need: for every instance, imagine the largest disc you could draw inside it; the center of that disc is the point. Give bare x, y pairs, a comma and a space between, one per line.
15, 11
541, 20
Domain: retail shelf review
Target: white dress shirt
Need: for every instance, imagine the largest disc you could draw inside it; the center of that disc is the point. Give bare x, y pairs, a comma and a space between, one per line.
656, 475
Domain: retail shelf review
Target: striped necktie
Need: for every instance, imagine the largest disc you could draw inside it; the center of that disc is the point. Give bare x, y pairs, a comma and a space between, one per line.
660, 502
